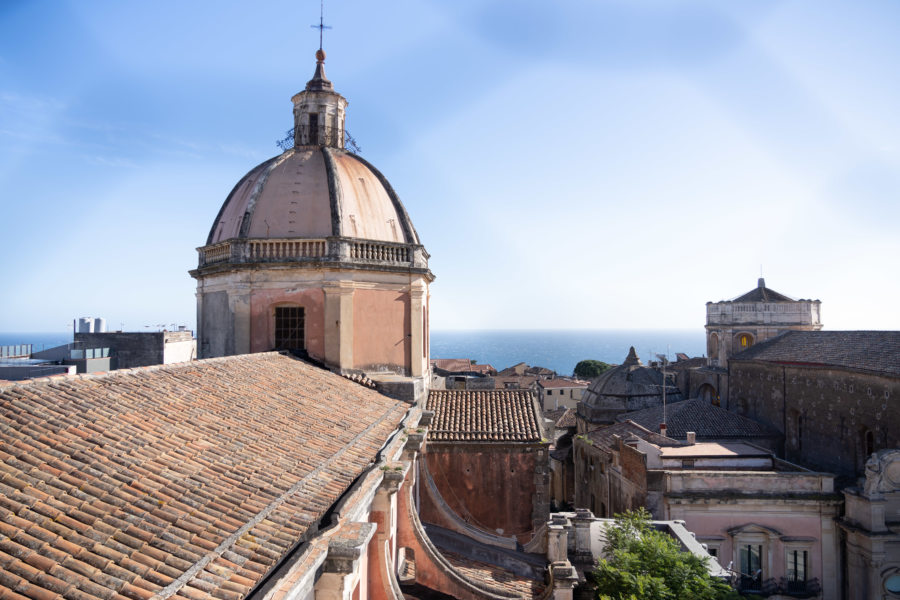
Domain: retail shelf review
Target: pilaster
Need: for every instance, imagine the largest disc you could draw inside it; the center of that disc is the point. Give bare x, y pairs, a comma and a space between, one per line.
239, 305
339, 324
417, 358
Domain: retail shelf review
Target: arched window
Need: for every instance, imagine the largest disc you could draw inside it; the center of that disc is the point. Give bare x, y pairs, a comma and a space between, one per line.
745, 340
712, 345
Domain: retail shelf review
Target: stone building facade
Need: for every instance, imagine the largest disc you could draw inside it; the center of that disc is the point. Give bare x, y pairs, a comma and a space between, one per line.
313, 252
831, 394
734, 325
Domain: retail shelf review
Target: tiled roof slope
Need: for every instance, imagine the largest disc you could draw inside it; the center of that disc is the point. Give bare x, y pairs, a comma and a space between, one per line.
483, 416
873, 351
182, 481
763, 294
567, 419
603, 437
701, 417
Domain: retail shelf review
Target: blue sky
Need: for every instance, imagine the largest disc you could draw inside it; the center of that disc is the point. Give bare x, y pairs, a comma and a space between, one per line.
571, 164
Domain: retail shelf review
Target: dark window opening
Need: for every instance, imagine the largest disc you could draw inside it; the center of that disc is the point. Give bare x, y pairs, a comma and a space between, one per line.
870, 443
290, 323
751, 567
314, 129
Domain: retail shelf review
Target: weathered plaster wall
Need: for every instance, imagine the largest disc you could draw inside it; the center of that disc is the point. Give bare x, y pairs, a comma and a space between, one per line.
492, 488
381, 329
262, 317
824, 414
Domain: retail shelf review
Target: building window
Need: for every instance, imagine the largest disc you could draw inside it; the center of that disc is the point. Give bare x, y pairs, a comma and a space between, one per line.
751, 567
290, 324
687, 463
549, 392
745, 341
314, 129
796, 571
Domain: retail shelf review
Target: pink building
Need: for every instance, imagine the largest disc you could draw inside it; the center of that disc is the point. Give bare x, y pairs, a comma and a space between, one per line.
770, 522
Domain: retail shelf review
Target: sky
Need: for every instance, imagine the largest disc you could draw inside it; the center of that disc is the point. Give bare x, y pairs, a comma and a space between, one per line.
568, 165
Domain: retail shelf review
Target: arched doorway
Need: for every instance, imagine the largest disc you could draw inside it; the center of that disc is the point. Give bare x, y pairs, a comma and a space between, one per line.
708, 393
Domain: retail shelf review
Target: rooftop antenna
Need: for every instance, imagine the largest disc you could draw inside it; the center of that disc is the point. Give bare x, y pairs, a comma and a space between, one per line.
321, 26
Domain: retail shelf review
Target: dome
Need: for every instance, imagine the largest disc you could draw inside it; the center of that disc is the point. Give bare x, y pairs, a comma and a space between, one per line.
313, 193
629, 386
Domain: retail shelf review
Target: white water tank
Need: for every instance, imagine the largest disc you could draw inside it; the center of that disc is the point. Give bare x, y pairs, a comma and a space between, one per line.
86, 325
99, 325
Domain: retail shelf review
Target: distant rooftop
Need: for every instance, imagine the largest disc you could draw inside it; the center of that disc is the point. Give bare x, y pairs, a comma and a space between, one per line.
873, 351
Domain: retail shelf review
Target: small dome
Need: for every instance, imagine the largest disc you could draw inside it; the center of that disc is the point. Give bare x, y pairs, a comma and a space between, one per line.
313, 192
629, 386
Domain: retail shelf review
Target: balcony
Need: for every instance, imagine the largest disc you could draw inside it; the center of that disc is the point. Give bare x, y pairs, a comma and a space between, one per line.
758, 587
808, 588
349, 252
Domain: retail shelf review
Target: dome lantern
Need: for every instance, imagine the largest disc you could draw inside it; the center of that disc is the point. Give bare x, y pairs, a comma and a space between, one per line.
319, 111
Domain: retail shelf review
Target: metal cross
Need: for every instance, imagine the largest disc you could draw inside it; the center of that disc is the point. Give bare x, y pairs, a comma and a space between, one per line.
321, 26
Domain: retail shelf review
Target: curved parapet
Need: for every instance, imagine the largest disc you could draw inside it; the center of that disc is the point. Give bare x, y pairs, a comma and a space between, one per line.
452, 521
432, 569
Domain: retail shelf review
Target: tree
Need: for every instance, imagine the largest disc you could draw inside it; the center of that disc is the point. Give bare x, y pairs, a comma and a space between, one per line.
588, 369
641, 562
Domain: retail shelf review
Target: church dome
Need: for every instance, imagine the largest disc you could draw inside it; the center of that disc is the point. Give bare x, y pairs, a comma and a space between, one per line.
313, 192
626, 387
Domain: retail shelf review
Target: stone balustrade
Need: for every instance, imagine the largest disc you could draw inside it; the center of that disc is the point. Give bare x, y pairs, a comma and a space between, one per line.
332, 249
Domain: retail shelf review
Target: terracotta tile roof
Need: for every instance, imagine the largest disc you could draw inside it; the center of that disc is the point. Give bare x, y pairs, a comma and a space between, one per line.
461, 365
185, 481
873, 351
603, 437
701, 417
567, 419
495, 577
484, 416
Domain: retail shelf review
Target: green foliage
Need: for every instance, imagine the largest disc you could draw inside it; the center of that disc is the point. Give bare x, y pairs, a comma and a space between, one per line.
643, 563
588, 369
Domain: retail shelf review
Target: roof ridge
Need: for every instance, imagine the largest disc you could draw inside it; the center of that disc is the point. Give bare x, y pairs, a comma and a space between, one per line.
73, 377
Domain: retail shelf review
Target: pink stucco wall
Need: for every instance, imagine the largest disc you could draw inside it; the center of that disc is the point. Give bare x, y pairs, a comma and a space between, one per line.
262, 318
704, 524
381, 329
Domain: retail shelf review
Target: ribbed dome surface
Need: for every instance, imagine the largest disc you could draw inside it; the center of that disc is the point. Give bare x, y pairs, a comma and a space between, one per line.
630, 379
313, 193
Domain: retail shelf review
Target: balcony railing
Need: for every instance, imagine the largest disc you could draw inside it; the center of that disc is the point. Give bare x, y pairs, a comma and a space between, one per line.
754, 585
806, 588
332, 249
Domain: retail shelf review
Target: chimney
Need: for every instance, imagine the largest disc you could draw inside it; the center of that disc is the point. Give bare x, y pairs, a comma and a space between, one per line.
691, 437
662, 429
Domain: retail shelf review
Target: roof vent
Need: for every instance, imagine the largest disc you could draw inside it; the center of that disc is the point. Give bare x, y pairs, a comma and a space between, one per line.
691, 438
761, 283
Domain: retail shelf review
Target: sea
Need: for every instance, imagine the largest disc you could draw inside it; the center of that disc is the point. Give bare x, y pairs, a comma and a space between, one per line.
559, 350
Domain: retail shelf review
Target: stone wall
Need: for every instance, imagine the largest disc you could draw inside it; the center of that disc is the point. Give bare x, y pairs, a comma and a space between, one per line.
832, 419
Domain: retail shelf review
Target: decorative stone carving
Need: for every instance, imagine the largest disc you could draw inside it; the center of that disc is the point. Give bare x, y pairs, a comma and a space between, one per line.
882, 473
